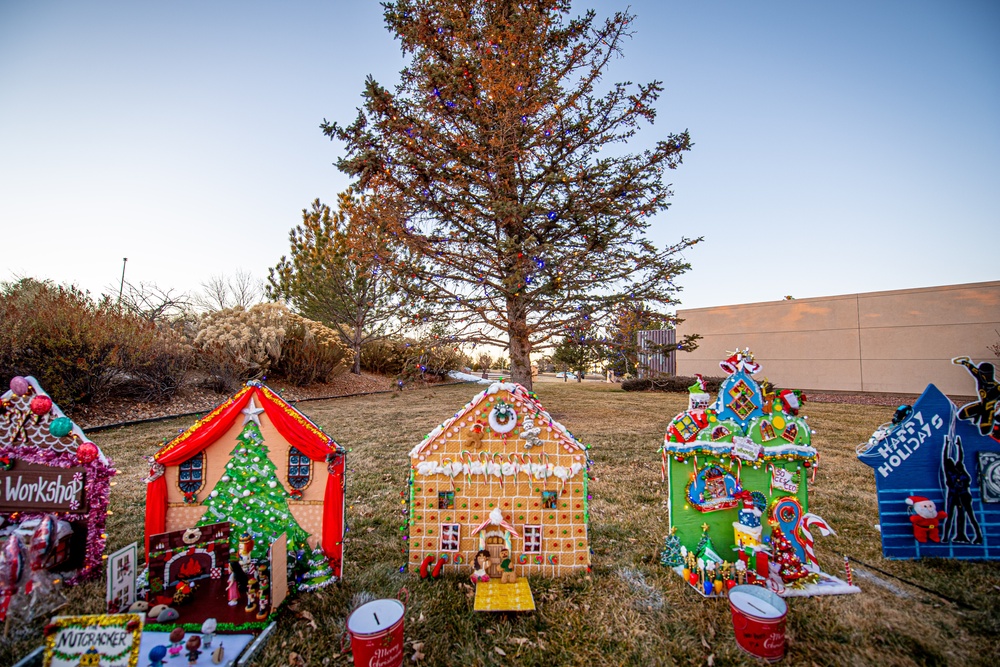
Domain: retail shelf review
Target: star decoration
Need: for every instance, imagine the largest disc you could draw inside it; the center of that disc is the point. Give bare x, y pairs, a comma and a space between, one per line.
252, 413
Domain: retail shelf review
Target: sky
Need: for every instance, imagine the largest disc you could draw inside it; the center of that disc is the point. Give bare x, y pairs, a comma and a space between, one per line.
840, 147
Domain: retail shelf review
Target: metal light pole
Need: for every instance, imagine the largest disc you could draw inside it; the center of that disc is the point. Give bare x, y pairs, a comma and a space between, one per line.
122, 286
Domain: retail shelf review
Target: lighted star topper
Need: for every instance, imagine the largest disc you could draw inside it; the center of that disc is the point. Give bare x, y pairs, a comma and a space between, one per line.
252, 413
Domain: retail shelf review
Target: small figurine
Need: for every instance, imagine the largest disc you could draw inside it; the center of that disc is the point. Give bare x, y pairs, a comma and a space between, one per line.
156, 656
232, 588
192, 646
176, 642
480, 564
208, 631
925, 517
507, 575
263, 605
251, 595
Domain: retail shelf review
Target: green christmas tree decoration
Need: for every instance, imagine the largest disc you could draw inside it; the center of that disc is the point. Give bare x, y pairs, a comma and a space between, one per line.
671, 554
319, 573
705, 549
250, 497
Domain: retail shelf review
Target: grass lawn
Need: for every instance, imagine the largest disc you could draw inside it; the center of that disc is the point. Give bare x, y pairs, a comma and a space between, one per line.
629, 610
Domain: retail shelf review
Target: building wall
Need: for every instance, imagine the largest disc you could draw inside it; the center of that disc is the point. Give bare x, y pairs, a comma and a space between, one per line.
564, 529
895, 341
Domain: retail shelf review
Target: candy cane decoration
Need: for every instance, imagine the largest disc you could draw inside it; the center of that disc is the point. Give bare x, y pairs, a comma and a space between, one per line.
739, 468
468, 466
663, 464
548, 469
499, 468
526, 464
448, 471
770, 477
813, 521
812, 478
847, 568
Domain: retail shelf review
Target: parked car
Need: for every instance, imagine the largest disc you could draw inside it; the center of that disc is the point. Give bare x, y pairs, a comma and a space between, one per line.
569, 375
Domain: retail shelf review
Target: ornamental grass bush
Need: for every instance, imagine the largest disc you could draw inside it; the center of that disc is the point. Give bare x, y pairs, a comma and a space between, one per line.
82, 350
239, 344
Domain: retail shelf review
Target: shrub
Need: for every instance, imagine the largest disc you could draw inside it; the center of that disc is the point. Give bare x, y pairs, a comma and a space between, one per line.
679, 383
410, 358
238, 344
81, 350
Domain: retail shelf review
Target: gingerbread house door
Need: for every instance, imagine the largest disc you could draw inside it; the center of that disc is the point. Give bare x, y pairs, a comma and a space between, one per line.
495, 544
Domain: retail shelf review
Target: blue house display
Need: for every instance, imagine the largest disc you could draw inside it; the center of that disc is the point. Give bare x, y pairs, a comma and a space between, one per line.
937, 472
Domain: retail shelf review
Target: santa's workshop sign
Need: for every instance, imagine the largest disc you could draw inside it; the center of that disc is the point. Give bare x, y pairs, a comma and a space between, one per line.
32, 487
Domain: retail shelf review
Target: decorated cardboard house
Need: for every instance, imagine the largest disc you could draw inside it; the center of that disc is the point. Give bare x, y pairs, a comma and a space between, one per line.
937, 473
52, 478
737, 473
258, 464
499, 474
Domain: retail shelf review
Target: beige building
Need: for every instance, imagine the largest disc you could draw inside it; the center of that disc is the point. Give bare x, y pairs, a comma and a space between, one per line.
895, 341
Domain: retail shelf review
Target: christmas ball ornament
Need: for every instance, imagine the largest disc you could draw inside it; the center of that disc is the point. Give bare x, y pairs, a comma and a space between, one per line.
61, 427
19, 386
246, 493
272, 484
253, 480
214, 494
86, 452
256, 459
225, 478
40, 405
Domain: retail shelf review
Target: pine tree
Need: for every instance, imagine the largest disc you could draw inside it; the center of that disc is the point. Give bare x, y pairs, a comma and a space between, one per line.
491, 149
250, 497
671, 554
783, 553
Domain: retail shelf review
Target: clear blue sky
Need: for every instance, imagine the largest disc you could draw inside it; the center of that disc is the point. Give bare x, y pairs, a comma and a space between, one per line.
839, 147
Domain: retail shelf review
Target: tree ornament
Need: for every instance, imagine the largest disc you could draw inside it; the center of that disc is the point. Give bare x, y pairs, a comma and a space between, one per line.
86, 452
19, 386
41, 405
60, 427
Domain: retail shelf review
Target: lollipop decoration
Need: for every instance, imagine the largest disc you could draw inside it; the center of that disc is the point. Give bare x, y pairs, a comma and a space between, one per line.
19, 386
12, 569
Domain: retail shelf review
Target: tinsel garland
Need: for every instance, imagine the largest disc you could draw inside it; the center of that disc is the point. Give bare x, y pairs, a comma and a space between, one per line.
98, 489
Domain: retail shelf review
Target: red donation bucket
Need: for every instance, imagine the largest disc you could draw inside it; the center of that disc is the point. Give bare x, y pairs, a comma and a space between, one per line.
376, 630
759, 621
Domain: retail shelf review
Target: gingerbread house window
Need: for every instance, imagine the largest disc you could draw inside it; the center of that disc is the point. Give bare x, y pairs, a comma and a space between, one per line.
299, 469
550, 499
446, 500
532, 539
191, 474
449, 536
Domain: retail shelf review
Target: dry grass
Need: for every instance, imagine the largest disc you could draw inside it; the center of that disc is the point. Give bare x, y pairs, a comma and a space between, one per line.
630, 610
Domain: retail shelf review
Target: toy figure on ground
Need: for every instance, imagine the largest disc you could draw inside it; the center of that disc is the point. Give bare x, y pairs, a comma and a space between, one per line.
157, 655
232, 587
208, 631
925, 517
176, 642
984, 412
507, 575
193, 645
480, 566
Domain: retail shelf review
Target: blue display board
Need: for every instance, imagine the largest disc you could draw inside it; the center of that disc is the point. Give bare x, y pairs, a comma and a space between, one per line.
937, 472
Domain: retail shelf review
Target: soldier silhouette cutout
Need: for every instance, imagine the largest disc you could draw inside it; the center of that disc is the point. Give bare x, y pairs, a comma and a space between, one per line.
958, 496
984, 412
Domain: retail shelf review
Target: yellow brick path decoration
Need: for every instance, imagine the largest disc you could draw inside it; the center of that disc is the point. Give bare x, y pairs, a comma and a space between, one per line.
495, 596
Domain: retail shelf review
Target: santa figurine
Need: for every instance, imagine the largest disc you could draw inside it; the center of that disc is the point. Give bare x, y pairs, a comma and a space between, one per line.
925, 517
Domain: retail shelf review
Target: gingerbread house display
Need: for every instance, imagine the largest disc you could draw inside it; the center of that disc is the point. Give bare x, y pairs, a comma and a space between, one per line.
262, 466
737, 473
500, 474
52, 475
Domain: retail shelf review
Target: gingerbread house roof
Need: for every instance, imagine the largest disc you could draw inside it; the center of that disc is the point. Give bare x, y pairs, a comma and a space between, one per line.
245, 403
517, 392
